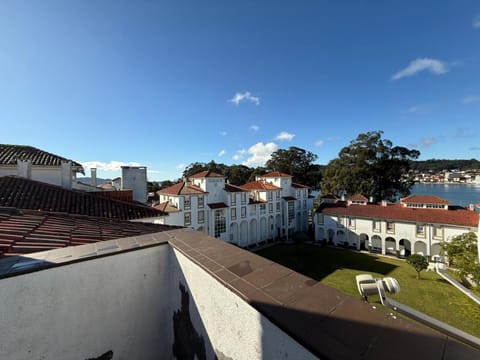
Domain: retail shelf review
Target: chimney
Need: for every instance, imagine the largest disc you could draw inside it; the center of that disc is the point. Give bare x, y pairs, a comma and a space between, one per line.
24, 168
66, 174
93, 176
471, 207
370, 199
384, 202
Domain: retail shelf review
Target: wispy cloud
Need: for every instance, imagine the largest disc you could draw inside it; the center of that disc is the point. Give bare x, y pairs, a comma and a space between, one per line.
108, 166
475, 148
180, 166
285, 136
260, 153
319, 143
254, 128
239, 155
471, 99
419, 109
476, 22
242, 97
426, 142
221, 153
463, 133
436, 67
223, 133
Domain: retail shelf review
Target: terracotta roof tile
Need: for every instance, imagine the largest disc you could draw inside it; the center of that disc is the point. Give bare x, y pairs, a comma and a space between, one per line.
458, 216
181, 188
9, 154
234, 188
205, 174
275, 174
358, 197
424, 199
300, 186
259, 185
29, 194
28, 231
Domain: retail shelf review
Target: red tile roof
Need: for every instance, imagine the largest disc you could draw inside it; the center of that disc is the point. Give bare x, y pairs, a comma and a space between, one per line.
205, 174
424, 199
259, 185
166, 207
23, 193
181, 188
358, 197
276, 174
9, 154
233, 188
458, 216
28, 231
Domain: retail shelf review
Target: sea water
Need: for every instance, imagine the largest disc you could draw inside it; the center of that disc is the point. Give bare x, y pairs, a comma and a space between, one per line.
456, 194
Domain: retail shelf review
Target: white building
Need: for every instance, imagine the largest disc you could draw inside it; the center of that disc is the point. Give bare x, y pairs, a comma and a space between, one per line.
264, 210
35, 164
415, 225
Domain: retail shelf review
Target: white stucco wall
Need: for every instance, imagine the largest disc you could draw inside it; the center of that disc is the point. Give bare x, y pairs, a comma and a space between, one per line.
79, 311
228, 324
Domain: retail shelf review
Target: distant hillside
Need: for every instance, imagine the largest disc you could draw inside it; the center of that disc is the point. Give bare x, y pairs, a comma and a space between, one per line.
437, 165
87, 180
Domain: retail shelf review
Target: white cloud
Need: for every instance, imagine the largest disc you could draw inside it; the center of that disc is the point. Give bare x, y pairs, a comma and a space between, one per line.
419, 109
254, 128
426, 142
110, 166
180, 166
319, 143
239, 154
223, 133
471, 99
221, 153
436, 67
285, 136
260, 153
476, 22
242, 97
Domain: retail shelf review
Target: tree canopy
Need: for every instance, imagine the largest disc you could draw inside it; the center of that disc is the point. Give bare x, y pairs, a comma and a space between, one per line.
463, 255
370, 166
418, 262
296, 162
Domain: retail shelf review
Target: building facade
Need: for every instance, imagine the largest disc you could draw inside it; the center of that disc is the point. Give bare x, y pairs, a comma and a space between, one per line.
270, 208
415, 225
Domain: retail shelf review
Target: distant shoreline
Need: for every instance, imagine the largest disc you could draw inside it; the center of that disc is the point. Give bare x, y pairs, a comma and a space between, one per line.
444, 183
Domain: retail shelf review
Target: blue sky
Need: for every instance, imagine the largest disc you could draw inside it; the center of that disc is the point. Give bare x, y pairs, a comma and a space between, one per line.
166, 83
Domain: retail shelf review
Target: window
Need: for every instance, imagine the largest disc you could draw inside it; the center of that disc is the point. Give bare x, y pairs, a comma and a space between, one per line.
233, 198
291, 212
263, 208
244, 198
244, 211
390, 227
270, 208
437, 232
270, 196
253, 209
420, 230
200, 202
233, 213
187, 219
201, 217
376, 225
278, 195
186, 202
220, 223
278, 207
320, 219
304, 204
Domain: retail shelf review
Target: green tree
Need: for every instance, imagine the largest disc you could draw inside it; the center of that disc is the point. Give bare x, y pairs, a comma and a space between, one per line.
418, 262
296, 162
238, 174
462, 252
370, 166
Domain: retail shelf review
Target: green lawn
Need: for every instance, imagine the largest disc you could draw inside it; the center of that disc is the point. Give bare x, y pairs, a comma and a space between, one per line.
338, 268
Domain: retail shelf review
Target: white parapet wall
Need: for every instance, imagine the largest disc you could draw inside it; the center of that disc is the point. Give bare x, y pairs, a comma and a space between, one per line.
82, 310
229, 326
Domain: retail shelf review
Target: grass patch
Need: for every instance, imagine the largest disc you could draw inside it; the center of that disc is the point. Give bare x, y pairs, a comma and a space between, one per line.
338, 268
